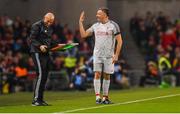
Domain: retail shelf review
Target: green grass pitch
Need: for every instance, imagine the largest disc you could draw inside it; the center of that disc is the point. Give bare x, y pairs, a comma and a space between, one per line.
137, 100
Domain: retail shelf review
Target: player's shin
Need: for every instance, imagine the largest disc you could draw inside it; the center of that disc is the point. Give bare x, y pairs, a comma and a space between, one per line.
97, 86
106, 84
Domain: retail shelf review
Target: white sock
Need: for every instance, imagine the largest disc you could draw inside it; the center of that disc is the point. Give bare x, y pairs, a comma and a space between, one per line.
106, 84
97, 87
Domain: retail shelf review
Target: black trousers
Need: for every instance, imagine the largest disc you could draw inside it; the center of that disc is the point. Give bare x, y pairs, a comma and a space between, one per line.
42, 62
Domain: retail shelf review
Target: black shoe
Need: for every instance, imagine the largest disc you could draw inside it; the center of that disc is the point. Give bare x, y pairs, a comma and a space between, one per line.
37, 103
106, 101
98, 101
45, 103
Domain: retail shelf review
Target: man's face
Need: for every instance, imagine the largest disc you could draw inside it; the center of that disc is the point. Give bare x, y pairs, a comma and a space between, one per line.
48, 21
100, 15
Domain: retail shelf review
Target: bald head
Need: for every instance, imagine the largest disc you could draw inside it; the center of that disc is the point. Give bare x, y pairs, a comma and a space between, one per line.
49, 19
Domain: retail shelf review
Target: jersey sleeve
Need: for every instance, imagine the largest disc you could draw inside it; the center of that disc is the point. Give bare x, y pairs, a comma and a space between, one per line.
91, 29
116, 29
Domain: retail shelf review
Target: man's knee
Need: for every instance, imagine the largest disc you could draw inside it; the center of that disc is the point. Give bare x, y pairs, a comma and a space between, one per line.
97, 75
106, 76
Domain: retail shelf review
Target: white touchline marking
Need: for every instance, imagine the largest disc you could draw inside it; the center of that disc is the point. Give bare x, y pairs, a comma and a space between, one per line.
123, 103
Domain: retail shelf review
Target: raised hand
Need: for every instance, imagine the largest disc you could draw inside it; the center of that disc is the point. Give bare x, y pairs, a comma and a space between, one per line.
82, 17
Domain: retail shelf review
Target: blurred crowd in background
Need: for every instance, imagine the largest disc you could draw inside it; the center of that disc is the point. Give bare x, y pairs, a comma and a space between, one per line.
70, 70
158, 38
157, 35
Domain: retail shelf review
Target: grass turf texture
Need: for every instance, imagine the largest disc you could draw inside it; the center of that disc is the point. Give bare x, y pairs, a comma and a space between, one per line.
72, 100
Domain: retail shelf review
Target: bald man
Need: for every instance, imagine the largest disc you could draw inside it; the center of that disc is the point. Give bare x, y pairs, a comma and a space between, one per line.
40, 42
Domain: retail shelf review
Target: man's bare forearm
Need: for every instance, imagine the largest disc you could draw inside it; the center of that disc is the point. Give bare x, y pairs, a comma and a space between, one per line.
119, 45
82, 30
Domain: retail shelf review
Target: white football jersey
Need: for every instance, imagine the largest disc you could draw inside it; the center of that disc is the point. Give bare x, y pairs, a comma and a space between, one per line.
104, 38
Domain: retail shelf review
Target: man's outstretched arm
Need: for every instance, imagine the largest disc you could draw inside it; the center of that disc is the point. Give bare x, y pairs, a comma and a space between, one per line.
83, 32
